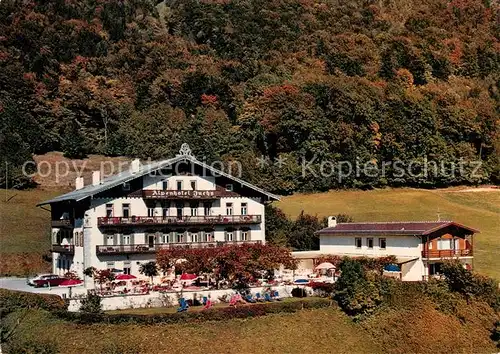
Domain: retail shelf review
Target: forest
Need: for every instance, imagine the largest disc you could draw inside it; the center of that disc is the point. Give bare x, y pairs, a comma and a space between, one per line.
284, 80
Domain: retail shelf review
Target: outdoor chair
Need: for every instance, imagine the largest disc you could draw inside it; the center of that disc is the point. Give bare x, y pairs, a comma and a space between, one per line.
249, 298
267, 297
258, 297
184, 305
208, 304
276, 295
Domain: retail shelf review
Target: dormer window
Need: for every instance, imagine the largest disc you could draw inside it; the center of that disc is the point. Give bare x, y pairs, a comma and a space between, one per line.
193, 185
179, 185
165, 185
229, 187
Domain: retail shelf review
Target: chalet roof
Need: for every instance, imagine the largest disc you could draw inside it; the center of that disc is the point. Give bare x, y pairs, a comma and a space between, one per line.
392, 228
126, 176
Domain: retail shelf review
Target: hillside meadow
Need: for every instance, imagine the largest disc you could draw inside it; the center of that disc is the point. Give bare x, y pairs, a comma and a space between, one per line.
24, 233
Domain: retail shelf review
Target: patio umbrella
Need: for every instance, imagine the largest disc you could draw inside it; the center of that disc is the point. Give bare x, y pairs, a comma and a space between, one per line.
70, 283
187, 276
392, 268
325, 265
125, 277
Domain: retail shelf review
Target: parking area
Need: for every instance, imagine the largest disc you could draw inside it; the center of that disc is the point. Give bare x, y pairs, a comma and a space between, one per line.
19, 284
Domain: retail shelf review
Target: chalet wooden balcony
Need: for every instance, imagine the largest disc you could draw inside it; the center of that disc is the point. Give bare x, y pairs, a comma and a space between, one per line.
63, 249
62, 223
179, 220
146, 248
446, 253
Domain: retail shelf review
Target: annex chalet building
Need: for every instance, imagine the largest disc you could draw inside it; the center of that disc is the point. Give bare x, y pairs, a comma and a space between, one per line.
419, 247
122, 221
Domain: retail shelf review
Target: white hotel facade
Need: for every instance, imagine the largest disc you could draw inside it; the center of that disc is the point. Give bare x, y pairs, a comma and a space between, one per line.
122, 221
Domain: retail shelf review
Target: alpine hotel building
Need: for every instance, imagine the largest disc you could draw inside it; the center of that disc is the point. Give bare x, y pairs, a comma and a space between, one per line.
122, 221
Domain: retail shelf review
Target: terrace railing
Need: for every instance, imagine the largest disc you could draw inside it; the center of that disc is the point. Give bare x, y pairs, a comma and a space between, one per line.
180, 220
66, 249
446, 253
147, 248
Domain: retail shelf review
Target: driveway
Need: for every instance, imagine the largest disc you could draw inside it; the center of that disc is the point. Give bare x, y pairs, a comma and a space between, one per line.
19, 284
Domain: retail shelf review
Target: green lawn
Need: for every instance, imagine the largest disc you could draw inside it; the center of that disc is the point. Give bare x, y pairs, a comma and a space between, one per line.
480, 210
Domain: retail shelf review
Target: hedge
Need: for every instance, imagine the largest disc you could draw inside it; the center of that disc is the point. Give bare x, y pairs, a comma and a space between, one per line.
12, 300
215, 314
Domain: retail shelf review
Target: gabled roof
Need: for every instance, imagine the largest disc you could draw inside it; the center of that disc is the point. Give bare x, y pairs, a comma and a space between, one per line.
126, 176
392, 228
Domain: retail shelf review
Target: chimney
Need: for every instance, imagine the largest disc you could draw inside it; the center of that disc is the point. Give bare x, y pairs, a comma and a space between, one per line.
79, 183
135, 165
96, 178
332, 221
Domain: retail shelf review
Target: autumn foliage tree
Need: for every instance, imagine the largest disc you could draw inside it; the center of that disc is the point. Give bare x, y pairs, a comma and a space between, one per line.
233, 263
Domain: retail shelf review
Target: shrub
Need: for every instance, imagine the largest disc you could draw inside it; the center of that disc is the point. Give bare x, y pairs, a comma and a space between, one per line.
12, 300
216, 314
32, 347
323, 289
91, 304
299, 292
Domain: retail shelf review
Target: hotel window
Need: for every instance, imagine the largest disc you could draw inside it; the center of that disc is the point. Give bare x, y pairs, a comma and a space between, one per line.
195, 237
229, 187
445, 244
126, 210
228, 236
194, 208
165, 185
245, 235
193, 185
179, 185
109, 210
357, 242
127, 266
126, 240
179, 206
110, 240
179, 237
207, 236
110, 265
369, 242
382, 243
229, 208
207, 208
164, 209
244, 209
165, 238
151, 212
126, 186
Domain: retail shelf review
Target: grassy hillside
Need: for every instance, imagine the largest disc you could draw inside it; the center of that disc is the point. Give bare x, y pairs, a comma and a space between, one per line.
307, 331
478, 209
25, 228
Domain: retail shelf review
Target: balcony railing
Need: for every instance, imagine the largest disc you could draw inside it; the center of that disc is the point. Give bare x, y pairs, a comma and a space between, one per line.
146, 248
180, 220
66, 249
62, 223
446, 253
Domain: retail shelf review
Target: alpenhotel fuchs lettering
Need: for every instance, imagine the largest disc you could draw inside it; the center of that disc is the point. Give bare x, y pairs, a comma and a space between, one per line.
180, 194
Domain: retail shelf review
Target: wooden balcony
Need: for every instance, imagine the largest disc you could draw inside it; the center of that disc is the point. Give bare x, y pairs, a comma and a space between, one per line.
146, 248
179, 220
62, 223
63, 249
446, 253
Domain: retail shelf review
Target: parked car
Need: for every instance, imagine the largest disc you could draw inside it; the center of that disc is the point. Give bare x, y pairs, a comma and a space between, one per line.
44, 280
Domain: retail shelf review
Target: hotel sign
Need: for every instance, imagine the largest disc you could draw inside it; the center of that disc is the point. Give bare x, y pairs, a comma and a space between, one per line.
173, 194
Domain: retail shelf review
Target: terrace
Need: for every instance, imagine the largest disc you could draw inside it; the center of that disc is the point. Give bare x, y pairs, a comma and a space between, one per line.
63, 249
179, 220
